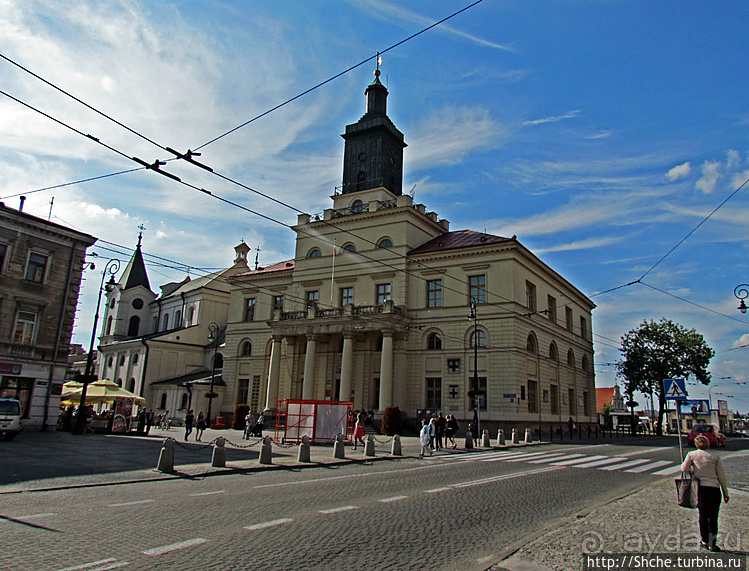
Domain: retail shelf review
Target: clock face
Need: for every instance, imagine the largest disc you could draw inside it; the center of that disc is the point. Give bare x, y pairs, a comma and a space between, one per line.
138, 303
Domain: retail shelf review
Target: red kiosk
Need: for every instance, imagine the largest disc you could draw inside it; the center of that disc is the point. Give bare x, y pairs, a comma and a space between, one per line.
319, 420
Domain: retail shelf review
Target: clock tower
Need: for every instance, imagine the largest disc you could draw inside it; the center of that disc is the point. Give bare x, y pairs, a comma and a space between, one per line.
373, 154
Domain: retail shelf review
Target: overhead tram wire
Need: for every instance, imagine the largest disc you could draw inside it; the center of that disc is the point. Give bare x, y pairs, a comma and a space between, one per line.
693, 303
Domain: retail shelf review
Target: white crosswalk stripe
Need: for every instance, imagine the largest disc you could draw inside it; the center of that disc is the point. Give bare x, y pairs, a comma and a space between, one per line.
651, 466
627, 464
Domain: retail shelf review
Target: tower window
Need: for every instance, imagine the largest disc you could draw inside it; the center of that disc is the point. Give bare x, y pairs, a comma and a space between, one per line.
358, 206
385, 243
314, 253
349, 248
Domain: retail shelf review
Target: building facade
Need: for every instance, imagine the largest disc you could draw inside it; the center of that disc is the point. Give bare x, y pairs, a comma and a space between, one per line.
41, 264
374, 309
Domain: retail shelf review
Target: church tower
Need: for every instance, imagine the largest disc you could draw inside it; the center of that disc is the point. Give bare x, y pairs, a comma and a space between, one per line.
373, 154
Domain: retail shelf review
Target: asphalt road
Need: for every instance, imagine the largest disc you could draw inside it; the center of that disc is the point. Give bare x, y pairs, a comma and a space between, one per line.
464, 511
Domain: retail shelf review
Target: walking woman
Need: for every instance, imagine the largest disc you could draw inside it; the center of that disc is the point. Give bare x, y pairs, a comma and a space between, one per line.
359, 430
200, 426
708, 469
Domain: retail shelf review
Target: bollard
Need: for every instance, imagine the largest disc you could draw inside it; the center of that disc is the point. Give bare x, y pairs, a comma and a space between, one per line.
528, 436
369, 447
469, 440
501, 437
485, 442
515, 436
338, 447
218, 459
395, 449
266, 451
166, 456
304, 450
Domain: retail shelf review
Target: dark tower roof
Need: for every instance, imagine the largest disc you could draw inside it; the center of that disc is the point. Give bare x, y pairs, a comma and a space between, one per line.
135, 272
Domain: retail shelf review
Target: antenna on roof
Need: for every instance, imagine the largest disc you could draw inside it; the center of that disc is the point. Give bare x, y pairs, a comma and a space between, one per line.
412, 191
257, 253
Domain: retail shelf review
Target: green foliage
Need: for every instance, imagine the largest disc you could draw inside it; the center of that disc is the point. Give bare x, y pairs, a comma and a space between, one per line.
240, 412
663, 350
391, 421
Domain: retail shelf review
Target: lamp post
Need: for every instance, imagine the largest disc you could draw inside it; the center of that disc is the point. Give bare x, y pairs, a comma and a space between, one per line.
474, 315
214, 335
741, 292
111, 268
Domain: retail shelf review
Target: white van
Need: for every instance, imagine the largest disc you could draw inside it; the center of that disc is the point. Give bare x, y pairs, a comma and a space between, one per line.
10, 418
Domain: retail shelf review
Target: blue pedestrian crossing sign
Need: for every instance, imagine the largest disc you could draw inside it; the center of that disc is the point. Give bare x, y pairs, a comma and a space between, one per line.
675, 389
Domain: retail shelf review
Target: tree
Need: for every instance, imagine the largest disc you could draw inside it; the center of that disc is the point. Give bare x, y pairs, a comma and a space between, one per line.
663, 350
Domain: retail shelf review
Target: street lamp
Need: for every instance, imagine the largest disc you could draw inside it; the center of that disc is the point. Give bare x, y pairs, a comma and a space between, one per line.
741, 292
111, 268
474, 315
214, 335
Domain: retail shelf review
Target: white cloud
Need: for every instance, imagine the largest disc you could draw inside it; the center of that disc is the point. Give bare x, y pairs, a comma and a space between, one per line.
586, 244
569, 115
733, 159
741, 341
710, 174
679, 171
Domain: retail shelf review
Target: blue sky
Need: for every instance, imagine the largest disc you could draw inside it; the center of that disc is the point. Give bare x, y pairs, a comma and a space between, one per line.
600, 132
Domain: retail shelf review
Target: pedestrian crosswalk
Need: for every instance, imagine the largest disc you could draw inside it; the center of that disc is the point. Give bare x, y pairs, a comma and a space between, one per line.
623, 463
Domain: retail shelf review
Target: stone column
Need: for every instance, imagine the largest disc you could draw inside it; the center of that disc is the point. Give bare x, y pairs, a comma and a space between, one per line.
386, 371
310, 360
347, 367
274, 374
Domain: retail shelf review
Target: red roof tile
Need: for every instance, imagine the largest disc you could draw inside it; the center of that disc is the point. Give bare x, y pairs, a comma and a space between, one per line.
459, 239
604, 395
279, 267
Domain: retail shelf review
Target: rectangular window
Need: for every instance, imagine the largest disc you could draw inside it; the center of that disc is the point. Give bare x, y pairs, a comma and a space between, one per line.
551, 304
244, 391
3, 255
249, 309
522, 392
347, 296
37, 268
434, 393
554, 390
530, 296
571, 393
477, 288
25, 327
532, 396
312, 298
568, 318
255, 394
583, 327
383, 293
434, 293
453, 365
278, 302
586, 412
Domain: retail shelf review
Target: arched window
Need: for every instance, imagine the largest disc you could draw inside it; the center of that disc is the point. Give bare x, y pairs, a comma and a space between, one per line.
109, 325
165, 323
119, 382
132, 330
478, 339
155, 324
570, 359
136, 357
110, 361
585, 363
162, 404
218, 361
358, 206
190, 316
122, 360
183, 403
246, 349
349, 248
314, 253
131, 385
434, 341
178, 319
531, 345
385, 243
553, 354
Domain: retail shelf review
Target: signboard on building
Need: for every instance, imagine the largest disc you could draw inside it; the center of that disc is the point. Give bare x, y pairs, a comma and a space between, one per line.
10, 368
723, 408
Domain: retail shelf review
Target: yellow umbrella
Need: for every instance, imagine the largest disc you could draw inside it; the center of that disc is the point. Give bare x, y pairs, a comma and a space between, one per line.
103, 391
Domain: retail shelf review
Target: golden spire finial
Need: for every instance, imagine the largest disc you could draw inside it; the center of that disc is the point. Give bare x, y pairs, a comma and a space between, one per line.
378, 60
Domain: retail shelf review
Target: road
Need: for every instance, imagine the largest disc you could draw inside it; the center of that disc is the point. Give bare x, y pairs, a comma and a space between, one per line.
453, 511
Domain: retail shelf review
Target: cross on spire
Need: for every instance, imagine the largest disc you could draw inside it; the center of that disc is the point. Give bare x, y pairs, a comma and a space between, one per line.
140, 234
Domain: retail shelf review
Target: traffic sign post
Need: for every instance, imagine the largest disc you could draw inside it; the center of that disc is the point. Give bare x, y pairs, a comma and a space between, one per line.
676, 390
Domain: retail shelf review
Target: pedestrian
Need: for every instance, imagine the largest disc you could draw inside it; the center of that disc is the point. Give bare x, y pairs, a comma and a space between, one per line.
441, 426
708, 469
571, 426
258, 430
424, 438
249, 425
359, 429
88, 415
432, 433
165, 421
189, 419
451, 429
149, 420
200, 426
141, 421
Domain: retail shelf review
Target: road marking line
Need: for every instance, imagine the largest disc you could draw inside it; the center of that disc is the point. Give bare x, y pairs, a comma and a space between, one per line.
501, 457
505, 477
471, 456
393, 499
337, 510
650, 466
267, 524
534, 455
209, 493
436, 490
648, 451
365, 475
542, 455
668, 471
33, 516
89, 565
577, 460
603, 462
112, 566
135, 503
545, 460
627, 464
175, 546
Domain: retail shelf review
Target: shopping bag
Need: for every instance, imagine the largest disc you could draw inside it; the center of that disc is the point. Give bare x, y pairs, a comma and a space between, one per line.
686, 491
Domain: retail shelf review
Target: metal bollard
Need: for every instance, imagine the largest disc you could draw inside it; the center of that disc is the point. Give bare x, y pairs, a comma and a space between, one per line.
515, 436
338, 447
501, 437
469, 440
395, 449
528, 436
304, 450
166, 456
485, 441
369, 447
266, 451
218, 459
